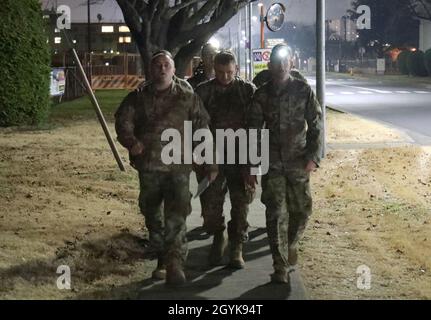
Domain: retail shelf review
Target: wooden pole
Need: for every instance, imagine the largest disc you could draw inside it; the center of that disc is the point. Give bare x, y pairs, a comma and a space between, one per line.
98, 111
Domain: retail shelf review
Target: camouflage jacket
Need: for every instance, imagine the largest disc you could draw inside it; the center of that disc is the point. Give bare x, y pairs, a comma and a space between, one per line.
144, 115
197, 79
293, 117
227, 107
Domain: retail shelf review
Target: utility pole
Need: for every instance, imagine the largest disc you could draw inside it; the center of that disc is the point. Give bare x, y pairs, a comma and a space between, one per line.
250, 52
239, 42
320, 63
89, 41
245, 43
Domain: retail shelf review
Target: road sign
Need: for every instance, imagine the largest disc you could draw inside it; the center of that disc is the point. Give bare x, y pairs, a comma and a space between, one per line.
260, 60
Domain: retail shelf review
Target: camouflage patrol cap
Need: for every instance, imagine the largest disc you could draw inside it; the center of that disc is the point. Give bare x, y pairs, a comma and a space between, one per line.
159, 53
280, 51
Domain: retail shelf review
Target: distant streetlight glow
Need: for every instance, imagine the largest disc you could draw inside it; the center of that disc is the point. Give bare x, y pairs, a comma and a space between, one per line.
214, 42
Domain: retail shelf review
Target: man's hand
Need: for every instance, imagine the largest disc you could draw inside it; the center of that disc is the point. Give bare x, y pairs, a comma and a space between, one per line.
249, 179
137, 149
311, 166
212, 176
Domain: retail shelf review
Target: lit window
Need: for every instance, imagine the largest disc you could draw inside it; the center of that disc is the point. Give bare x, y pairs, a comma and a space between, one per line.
121, 39
123, 29
127, 39
107, 28
56, 30
57, 40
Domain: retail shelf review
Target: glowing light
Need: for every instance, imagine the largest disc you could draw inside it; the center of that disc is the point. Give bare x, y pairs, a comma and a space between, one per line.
214, 42
282, 53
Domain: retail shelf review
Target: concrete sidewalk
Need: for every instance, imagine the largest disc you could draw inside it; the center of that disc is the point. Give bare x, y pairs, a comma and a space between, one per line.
222, 283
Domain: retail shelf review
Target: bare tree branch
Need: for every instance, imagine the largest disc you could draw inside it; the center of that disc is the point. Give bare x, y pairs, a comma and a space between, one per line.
131, 16
216, 22
201, 13
153, 4
173, 10
421, 8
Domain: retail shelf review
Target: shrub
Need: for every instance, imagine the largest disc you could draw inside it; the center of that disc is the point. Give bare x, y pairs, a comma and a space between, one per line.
428, 61
416, 64
402, 62
24, 64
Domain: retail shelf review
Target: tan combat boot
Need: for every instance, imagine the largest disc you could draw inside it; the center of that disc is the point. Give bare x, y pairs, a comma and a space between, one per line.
174, 273
280, 275
160, 272
217, 248
293, 256
235, 255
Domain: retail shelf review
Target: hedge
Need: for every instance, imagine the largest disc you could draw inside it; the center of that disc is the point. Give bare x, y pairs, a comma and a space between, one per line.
428, 61
402, 62
24, 64
416, 64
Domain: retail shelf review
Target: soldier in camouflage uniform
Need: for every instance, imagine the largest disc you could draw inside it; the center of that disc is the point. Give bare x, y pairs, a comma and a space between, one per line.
205, 70
163, 103
227, 99
293, 116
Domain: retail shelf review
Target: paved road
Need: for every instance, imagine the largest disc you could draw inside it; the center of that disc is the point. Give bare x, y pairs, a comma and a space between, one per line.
406, 106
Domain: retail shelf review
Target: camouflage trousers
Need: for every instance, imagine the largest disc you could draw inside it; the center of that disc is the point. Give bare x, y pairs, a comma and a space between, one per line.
212, 200
288, 202
167, 228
